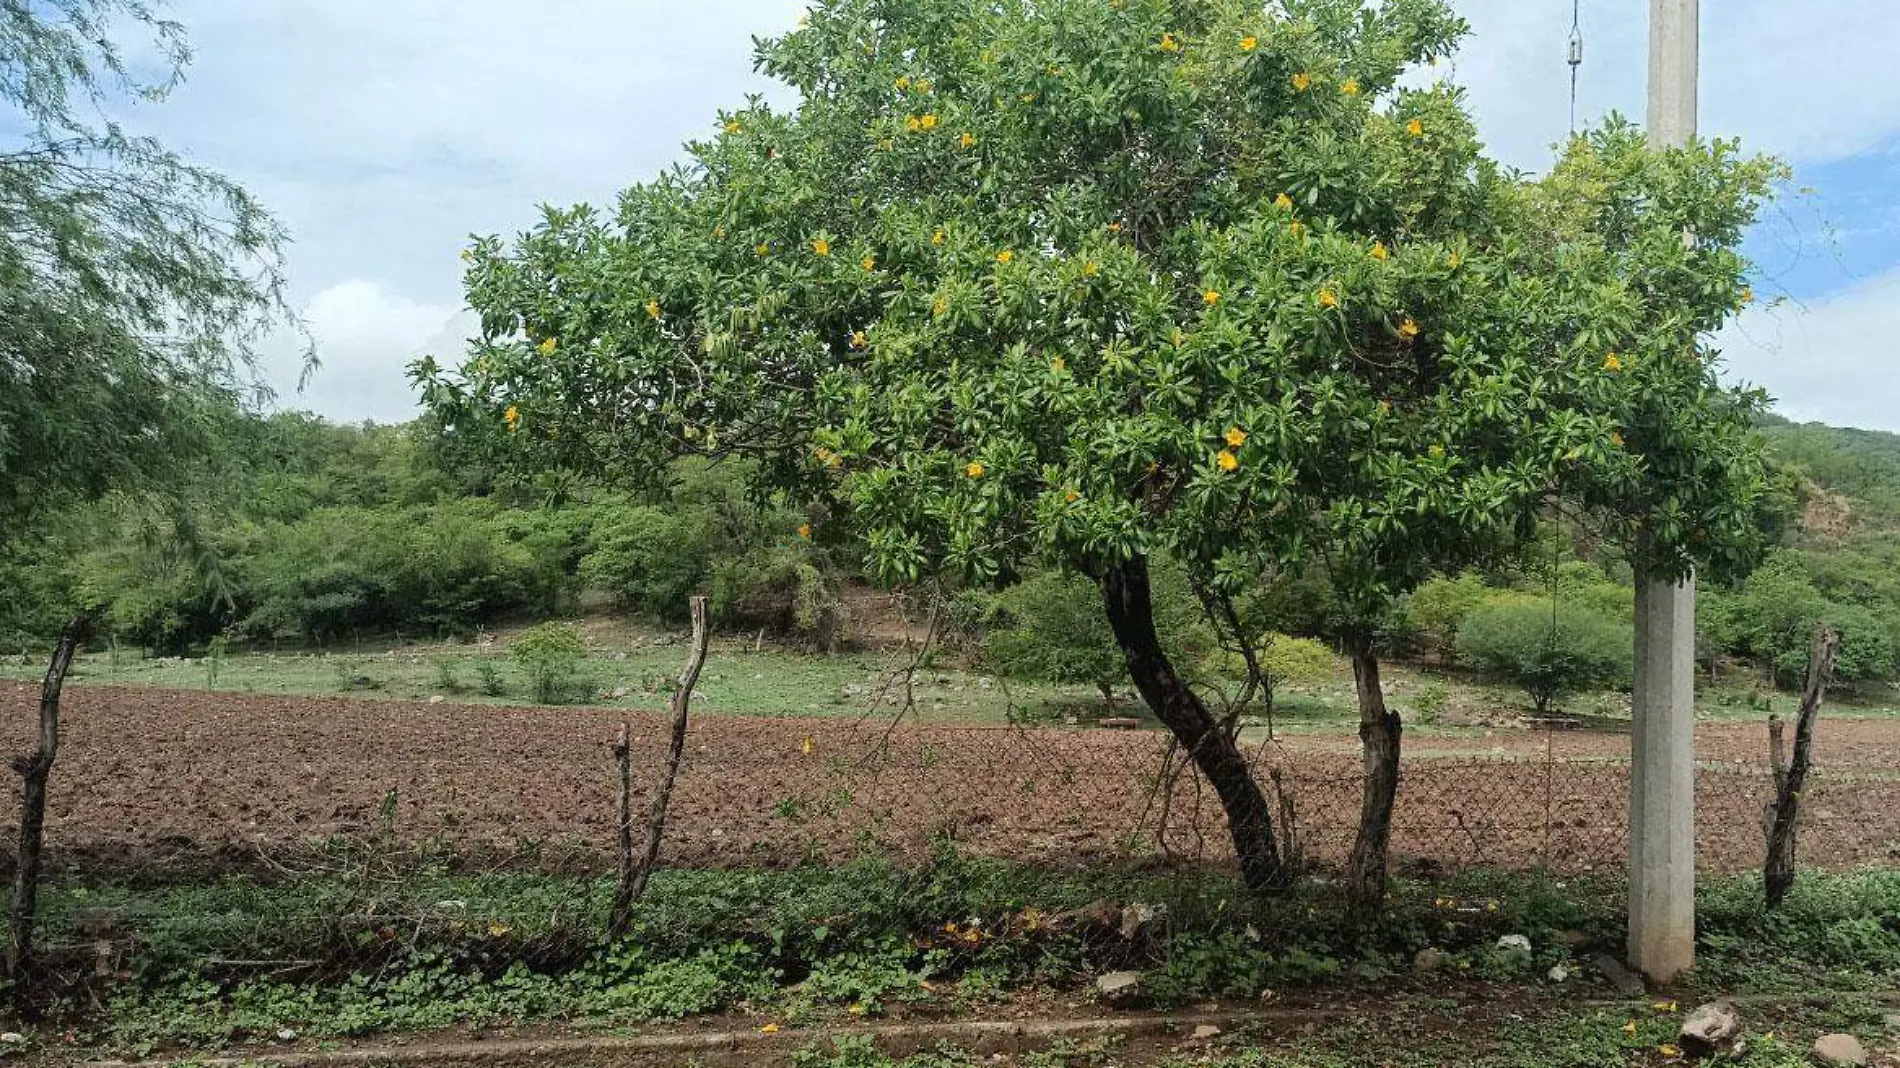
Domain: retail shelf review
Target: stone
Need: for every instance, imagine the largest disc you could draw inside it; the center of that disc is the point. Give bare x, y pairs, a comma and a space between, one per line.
1626, 982
1120, 989
1138, 917
1838, 1050
1206, 1032
436, 699
1427, 960
1892, 1021
12, 1038
1514, 943
1712, 1028
1557, 973
286, 1035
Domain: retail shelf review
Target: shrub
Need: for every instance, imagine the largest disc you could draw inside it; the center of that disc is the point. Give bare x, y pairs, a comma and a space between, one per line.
1301, 661
779, 589
549, 655
1516, 640
650, 559
1439, 607
1053, 629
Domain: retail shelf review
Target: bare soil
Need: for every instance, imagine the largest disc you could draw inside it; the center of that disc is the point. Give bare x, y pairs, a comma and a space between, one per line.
183, 781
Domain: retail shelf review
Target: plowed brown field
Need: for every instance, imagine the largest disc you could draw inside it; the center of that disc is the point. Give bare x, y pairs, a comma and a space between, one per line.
185, 781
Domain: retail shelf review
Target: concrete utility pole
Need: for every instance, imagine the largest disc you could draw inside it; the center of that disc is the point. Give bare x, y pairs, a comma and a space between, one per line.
1662, 764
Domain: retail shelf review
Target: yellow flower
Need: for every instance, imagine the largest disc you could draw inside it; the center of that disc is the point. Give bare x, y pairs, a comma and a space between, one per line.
1437, 451
769, 1029
1058, 364
1114, 228
937, 238
1227, 460
1298, 230
1090, 269
1005, 256
821, 246
1416, 128
761, 248
547, 347
467, 256
1349, 87
1169, 44
1211, 297
1235, 437
1249, 43
923, 85
903, 82
1616, 438
928, 122
856, 1008
1029, 98
1379, 251
869, 263
804, 531
1408, 329
1328, 299
496, 929
733, 127
1072, 495
806, 747
1748, 295
1629, 1028
653, 309
1668, 1050
967, 139
1454, 260
1612, 363
974, 469
1302, 81
512, 417
1283, 202
913, 123
940, 306
858, 339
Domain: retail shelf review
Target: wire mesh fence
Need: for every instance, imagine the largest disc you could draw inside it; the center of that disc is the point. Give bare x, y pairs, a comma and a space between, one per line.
192, 783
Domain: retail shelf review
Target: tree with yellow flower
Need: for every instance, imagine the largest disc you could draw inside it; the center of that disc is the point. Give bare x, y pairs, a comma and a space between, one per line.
1245, 393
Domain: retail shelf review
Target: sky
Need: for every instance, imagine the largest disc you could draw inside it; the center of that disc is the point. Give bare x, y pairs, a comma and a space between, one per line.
384, 134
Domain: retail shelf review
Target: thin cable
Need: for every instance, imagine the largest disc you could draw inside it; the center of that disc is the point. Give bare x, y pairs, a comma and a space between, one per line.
1575, 57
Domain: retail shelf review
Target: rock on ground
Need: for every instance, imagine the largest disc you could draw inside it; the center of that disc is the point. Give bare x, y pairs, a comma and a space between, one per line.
1120, 989
1626, 982
1711, 1028
1839, 1050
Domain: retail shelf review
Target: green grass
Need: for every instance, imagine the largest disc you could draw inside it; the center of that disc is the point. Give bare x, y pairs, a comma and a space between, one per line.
362, 946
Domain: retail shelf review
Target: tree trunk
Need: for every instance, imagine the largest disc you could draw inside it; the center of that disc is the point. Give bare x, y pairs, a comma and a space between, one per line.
1130, 605
34, 769
1778, 872
1379, 731
633, 877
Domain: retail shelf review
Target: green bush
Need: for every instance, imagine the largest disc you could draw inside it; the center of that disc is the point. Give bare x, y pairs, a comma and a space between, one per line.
1518, 640
650, 559
1053, 629
550, 655
779, 589
1437, 608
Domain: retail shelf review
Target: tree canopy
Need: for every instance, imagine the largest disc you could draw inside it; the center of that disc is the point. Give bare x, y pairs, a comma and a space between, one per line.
132, 281
1079, 282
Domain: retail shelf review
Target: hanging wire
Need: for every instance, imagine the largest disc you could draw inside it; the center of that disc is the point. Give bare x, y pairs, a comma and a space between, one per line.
1575, 58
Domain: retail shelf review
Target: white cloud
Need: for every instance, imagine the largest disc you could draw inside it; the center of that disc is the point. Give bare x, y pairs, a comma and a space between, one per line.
1828, 360
365, 338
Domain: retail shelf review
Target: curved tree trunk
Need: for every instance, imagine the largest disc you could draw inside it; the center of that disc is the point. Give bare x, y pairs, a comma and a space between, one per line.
1130, 604
1379, 741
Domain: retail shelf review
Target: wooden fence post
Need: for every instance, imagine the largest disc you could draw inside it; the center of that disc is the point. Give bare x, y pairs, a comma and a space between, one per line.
1778, 871
35, 768
635, 872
